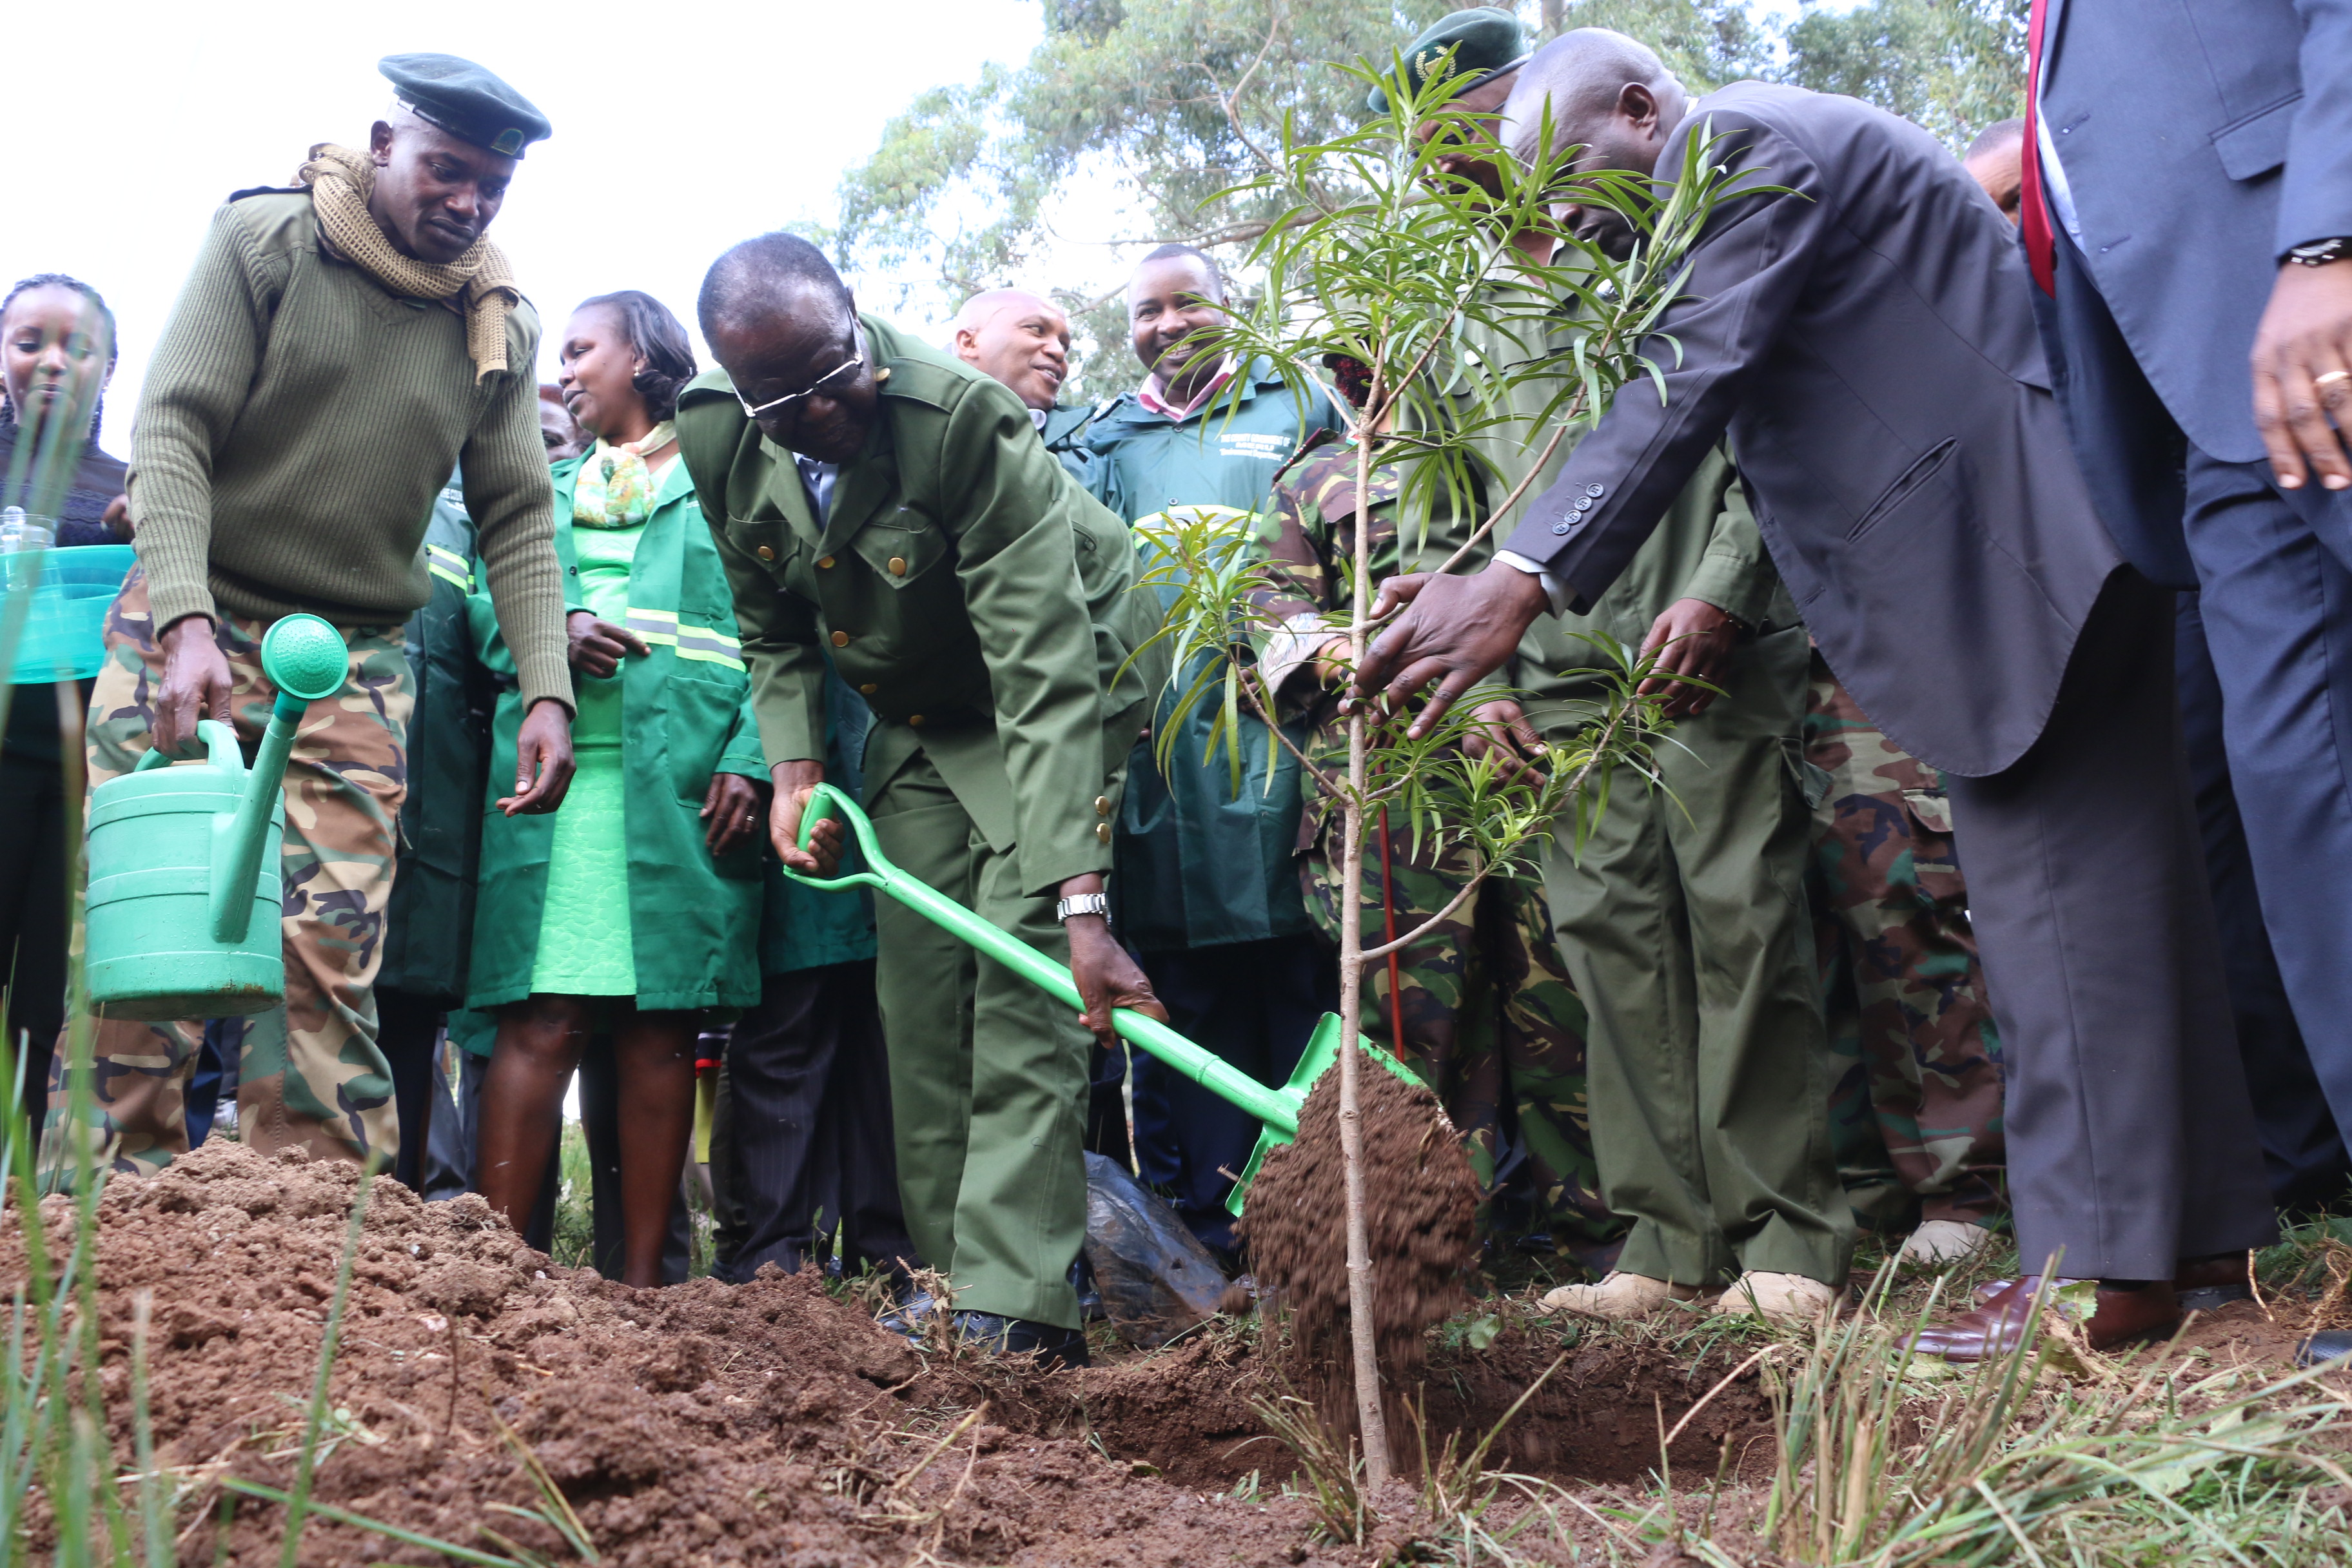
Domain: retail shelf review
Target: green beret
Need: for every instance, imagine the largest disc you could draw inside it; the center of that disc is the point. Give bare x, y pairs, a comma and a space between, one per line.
1486, 43
465, 100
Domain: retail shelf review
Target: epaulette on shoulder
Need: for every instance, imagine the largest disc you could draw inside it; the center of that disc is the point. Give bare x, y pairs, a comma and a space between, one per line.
924, 382
268, 191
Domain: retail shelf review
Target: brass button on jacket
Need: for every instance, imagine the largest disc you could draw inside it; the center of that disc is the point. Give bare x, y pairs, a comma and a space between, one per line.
824, 561
868, 690
1102, 831
767, 552
914, 717
841, 640
898, 566
1102, 805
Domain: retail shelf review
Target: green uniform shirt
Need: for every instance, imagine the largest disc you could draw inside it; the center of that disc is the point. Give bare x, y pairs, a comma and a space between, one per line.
686, 714
964, 583
1707, 547
1199, 866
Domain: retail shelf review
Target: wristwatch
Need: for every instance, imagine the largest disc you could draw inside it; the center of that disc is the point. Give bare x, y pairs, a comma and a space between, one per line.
2320, 252
1083, 904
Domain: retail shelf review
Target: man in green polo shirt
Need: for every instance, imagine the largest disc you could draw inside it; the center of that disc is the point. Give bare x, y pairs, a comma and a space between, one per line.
341, 345
884, 505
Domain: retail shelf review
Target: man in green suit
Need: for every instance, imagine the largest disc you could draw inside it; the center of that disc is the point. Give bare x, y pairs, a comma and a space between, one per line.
874, 499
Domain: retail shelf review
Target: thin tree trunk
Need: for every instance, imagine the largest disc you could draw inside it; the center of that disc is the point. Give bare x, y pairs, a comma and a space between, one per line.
1370, 1419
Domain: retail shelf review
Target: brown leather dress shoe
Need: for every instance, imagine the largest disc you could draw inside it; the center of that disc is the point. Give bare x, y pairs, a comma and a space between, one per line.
1997, 1326
2201, 1284
2205, 1283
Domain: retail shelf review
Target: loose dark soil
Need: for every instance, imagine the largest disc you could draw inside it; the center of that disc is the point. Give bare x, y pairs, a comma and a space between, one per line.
772, 1422
1421, 1206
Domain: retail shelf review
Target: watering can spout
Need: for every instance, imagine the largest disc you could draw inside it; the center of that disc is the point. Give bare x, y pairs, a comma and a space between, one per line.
305, 659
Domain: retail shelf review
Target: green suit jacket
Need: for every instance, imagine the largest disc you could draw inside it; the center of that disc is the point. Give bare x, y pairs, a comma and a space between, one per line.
685, 715
965, 584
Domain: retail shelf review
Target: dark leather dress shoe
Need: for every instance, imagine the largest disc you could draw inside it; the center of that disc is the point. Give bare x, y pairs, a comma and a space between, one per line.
1997, 1326
910, 1316
2204, 1283
1055, 1348
2328, 1344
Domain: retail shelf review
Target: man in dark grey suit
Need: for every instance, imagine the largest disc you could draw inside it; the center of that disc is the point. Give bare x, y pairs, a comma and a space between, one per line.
1865, 334
2189, 221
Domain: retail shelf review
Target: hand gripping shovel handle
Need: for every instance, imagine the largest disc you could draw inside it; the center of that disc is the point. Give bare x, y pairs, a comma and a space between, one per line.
1278, 1109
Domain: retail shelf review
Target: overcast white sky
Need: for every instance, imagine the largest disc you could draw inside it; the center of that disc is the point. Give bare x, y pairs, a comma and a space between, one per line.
678, 130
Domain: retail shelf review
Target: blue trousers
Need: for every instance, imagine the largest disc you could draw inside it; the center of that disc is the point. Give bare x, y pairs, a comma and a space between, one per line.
2275, 575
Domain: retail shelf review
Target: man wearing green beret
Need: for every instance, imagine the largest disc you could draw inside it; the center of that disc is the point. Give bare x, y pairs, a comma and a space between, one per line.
890, 508
340, 346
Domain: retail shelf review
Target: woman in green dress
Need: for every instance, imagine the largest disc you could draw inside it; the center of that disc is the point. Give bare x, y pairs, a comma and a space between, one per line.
634, 909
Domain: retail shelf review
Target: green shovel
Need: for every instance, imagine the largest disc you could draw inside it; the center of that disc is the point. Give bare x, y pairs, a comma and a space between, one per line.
1277, 1108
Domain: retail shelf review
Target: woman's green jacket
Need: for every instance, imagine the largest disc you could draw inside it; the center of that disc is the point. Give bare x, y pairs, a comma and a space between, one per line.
694, 920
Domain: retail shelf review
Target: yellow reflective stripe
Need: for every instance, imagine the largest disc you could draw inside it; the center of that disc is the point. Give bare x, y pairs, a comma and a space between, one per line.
450, 567
707, 643
653, 625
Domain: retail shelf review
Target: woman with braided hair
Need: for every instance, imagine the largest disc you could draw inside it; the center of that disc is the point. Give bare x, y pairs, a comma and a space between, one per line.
633, 911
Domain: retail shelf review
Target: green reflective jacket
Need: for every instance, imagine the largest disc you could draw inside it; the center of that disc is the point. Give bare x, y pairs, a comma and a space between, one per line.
964, 583
428, 923
1199, 865
686, 715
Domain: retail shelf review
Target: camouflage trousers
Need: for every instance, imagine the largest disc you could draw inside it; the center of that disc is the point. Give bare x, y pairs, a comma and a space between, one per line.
1915, 1113
311, 1073
1483, 1009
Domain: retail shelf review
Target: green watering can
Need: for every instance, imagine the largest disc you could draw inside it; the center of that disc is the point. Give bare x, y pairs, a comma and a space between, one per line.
1278, 1109
181, 915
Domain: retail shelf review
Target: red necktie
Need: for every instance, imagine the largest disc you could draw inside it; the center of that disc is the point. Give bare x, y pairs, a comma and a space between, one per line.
2033, 205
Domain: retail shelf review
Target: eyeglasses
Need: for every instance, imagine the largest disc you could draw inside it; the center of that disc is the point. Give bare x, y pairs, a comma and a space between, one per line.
810, 391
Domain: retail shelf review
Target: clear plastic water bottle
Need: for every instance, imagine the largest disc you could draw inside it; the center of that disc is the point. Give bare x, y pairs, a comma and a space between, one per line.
19, 531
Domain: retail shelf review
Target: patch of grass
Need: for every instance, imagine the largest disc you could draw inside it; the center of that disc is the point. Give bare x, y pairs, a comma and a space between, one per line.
574, 1242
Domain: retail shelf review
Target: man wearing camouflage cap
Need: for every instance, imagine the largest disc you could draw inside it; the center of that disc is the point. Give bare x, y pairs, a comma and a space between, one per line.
340, 346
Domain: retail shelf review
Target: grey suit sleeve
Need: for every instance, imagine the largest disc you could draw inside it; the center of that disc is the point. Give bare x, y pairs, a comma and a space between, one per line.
1747, 273
2316, 200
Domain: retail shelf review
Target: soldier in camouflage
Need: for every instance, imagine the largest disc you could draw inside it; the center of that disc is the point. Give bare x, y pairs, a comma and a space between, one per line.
1481, 1005
311, 1074
1916, 1114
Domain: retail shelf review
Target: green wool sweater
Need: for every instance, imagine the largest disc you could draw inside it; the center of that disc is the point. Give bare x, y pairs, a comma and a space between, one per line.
297, 421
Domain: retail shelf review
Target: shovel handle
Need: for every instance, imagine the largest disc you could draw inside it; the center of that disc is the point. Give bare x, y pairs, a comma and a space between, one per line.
1211, 1072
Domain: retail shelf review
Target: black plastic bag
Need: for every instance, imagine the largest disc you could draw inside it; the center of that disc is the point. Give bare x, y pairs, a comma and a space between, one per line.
1155, 1276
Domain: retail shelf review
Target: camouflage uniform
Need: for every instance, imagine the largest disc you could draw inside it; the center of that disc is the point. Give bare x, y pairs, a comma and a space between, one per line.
311, 1073
1916, 1114
1490, 1016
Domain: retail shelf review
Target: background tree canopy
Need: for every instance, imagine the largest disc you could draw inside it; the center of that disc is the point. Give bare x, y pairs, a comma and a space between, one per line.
1124, 127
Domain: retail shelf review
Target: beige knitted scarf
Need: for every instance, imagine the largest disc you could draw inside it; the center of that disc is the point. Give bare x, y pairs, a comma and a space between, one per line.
340, 180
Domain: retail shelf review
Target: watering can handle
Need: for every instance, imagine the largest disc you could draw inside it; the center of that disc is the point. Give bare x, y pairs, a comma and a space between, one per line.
220, 749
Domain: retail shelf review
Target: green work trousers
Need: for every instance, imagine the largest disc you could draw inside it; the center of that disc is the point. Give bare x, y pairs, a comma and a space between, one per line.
1684, 925
988, 1073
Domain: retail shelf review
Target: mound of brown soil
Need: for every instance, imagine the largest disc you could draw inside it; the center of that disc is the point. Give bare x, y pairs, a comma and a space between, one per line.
705, 1423
1420, 1203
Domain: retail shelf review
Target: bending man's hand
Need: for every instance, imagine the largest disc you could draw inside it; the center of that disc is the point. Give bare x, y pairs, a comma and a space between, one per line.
196, 684
794, 782
731, 806
1108, 976
1692, 638
2303, 374
543, 759
1454, 631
